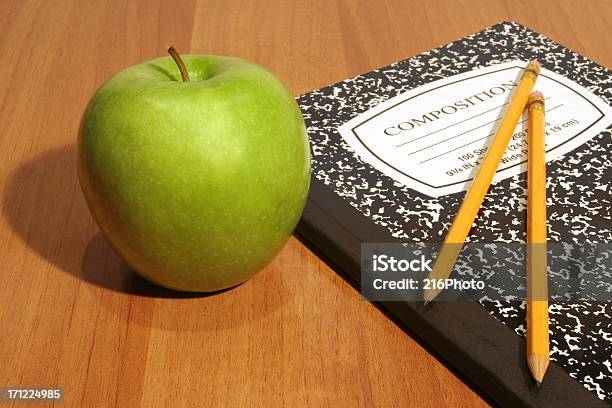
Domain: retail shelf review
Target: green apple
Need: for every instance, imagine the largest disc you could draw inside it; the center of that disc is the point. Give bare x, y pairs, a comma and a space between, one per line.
196, 184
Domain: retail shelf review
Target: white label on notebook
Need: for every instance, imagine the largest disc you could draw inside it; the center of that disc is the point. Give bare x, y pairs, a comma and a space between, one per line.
432, 138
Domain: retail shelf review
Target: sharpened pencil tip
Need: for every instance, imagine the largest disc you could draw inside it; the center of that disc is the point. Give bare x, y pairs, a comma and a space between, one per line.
429, 295
538, 384
538, 364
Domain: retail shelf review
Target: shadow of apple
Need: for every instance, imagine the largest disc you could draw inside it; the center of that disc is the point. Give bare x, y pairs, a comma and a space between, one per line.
40, 205
101, 266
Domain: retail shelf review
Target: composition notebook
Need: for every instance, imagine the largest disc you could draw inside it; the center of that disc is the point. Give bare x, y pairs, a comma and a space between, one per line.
374, 182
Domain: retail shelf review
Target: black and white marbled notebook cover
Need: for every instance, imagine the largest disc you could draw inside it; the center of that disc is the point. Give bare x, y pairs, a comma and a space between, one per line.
581, 332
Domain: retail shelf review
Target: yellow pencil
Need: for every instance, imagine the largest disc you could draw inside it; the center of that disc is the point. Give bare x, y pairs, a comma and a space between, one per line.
473, 200
538, 348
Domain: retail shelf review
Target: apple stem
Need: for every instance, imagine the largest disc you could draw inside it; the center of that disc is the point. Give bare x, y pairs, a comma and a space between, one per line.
179, 61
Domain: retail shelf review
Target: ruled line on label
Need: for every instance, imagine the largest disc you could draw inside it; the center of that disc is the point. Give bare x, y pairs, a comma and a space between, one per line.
477, 140
460, 134
450, 126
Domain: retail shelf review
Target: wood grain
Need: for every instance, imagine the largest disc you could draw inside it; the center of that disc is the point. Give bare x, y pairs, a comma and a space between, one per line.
73, 315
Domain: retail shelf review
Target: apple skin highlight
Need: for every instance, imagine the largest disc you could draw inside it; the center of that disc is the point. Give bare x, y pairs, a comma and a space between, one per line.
196, 185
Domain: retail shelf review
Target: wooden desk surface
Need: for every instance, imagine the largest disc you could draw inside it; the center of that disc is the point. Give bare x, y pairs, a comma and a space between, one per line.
72, 315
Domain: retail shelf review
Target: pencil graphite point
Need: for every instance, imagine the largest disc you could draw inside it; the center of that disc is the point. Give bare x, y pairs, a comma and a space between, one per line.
538, 365
429, 295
